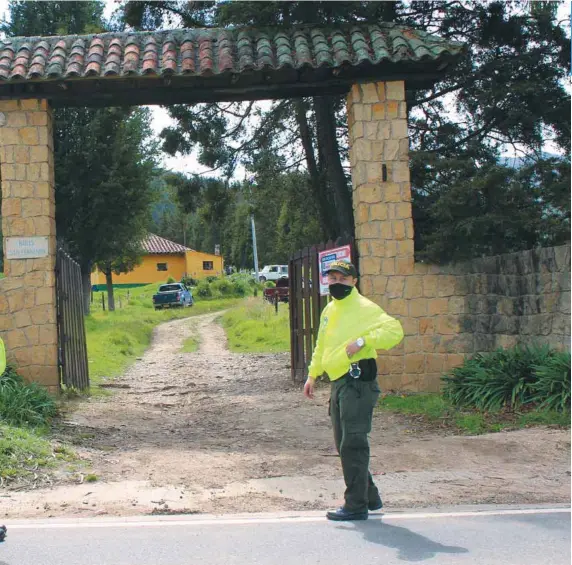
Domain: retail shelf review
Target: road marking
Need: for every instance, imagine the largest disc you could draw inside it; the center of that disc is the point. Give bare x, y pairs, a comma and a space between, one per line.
214, 521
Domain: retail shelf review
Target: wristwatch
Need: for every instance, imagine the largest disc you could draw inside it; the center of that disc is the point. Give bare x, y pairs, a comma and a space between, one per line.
360, 341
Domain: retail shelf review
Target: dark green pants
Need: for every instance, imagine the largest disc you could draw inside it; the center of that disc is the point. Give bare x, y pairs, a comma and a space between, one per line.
351, 410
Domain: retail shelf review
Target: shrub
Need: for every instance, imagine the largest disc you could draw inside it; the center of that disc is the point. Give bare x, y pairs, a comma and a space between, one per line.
240, 288
552, 386
211, 278
171, 280
189, 281
22, 403
523, 375
269, 284
204, 289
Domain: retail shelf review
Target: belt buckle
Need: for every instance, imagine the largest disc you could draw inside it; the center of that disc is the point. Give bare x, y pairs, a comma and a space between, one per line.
355, 370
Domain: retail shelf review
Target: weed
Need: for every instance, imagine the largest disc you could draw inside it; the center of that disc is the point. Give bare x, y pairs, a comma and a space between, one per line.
256, 328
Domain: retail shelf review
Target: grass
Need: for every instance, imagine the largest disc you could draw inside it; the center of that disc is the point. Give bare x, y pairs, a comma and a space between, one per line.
23, 404
254, 327
26, 412
26, 451
116, 339
190, 345
434, 409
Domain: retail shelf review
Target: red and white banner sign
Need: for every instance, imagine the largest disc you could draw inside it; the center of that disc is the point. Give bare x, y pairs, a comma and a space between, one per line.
326, 258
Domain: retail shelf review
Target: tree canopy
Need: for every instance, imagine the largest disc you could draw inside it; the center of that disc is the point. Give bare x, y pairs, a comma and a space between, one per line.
507, 93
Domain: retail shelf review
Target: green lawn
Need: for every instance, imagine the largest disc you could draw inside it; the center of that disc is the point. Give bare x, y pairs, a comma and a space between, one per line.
116, 339
433, 409
254, 327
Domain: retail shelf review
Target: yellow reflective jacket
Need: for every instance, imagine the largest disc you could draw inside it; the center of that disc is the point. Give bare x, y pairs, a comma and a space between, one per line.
2, 357
344, 321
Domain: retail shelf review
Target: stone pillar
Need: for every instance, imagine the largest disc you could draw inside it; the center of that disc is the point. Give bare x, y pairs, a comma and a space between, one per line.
27, 293
425, 298
379, 157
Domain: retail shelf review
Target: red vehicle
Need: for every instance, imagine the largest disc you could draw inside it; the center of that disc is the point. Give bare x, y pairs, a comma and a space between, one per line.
279, 293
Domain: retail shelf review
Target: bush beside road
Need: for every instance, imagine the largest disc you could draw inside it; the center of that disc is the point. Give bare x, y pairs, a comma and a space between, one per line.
255, 327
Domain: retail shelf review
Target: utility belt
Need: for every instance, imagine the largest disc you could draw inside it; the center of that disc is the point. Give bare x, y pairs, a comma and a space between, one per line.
364, 370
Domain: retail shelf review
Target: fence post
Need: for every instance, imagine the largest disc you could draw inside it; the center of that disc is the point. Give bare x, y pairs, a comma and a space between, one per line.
103, 300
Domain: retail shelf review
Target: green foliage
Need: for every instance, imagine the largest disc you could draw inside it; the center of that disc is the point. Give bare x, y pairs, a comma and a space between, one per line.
54, 18
460, 213
171, 280
508, 93
22, 403
439, 411
190, 345
103, 192
24, 451
431, 405
256, 328
237, 286
542, 417
516, 377
552, 386
204, 289
224, 287
190, 281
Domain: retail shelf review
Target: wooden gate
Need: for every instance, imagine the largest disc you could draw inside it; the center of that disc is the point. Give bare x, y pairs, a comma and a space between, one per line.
306, 303
72, 348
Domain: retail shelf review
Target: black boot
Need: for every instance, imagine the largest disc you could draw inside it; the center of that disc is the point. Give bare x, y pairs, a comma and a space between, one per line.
343, 515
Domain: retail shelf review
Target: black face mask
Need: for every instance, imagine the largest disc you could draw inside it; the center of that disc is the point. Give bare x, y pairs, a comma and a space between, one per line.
340, 291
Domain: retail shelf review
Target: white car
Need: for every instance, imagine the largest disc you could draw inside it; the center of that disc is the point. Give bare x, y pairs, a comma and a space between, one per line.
273, 273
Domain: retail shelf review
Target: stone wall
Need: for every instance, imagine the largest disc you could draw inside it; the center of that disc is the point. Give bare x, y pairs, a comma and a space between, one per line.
447, 312
27, 294
517, 298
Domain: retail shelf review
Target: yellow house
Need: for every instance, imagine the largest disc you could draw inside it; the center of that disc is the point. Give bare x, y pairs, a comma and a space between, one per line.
164, 259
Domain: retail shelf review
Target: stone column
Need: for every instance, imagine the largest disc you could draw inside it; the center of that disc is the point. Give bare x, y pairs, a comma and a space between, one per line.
379, 157
425, 298
27, 294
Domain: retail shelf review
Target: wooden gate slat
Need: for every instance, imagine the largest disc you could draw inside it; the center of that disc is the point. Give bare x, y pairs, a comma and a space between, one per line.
292, 310
307, 313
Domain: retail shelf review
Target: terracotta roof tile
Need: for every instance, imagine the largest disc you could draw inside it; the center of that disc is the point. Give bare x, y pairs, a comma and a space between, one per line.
156, 245
205, 52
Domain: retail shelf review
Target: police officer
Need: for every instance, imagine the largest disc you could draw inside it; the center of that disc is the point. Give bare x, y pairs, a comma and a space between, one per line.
352, 329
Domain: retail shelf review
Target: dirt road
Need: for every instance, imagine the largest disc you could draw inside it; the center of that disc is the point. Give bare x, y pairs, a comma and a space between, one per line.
216, 432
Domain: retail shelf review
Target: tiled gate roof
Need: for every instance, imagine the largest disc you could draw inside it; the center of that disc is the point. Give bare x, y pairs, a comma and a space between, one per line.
273, 56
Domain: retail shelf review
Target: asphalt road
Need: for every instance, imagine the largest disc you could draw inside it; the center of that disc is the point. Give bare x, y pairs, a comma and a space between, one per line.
496, 537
